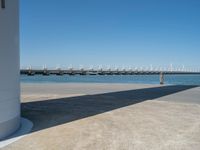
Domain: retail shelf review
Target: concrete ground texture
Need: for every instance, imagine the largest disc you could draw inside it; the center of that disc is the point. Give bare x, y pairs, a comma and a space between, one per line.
80, 116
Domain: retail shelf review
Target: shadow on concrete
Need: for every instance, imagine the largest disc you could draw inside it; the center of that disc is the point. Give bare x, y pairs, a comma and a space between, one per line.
50, 113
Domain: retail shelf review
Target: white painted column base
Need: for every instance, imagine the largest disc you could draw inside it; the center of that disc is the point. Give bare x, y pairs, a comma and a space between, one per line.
8, 127
24, 129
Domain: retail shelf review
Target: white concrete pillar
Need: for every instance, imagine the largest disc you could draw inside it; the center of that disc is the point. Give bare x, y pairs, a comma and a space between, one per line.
9, 68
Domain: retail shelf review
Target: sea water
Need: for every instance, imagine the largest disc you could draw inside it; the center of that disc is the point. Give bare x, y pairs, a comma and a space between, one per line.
143, 79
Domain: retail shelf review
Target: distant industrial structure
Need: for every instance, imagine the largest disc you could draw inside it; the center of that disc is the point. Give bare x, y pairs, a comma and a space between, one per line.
72, 71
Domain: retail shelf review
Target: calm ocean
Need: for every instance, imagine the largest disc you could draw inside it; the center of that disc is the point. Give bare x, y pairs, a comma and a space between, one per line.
146, 79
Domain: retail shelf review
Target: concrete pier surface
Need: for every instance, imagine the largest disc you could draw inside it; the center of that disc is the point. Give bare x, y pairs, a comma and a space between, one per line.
79, 116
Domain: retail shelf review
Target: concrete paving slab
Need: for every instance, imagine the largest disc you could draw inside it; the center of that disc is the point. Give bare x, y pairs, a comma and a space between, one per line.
144, 118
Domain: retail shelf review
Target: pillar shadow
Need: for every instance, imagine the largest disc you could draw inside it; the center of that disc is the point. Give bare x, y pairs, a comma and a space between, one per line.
50, 113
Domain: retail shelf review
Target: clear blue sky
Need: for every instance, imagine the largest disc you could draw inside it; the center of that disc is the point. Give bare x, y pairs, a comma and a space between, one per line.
110, 32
